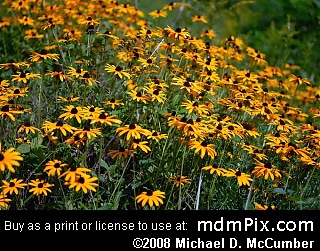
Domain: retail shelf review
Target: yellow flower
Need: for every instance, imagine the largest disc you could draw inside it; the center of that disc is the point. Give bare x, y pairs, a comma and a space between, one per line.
12, 186
178, 180
84, 182
40, 187
214, 168
132, 130
242, 178
150, 197
4, 201
203, 147
117, 70
54, 167
8, 159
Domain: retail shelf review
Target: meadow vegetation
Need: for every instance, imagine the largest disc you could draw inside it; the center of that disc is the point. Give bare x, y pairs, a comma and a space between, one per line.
125, 105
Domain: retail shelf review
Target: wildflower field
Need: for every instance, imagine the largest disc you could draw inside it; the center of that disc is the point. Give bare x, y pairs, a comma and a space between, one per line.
128, 105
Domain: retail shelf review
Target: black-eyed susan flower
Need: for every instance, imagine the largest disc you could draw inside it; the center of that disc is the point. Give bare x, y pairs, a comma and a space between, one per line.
43, 55
137, 143
178, 33
107, 34
264, 207
59, 75
88, 132
49, 135
151, 197
6, 111
58, 126
113, 103
158, 13
13, 65
91, 111
156, 135
4, 200
195, 106
72, 111
203, 147
40, 187
121, 152
178, 180
83, 182
242, 178
12, 186
199, 18
139, 96
266, 170
32, 33
149, 62
156, 94
104, 118
76, 140
214, 168
73, 172
87, 78
77, 73
54, 167
208, 33
68, 99
27, 128
132, 130
117, 71
9, 158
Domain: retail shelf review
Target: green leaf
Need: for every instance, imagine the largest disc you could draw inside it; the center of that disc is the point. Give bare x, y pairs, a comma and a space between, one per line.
24, 148
103, 164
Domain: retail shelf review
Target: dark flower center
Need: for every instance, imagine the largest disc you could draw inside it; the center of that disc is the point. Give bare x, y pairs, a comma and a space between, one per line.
268, 165
102, 116
214, 165
122, 149
56, 165
73, 169
190, 122
139, 94
186, 84
156, 92
40, 185
78, 71
118, 68
112, 100
149, 193
86, 75
81, 180
1, 157
22, 75
5, 108
154, 134
91, 109
178, 30
204, 143
238, 173
59, 123
132, 126
12, 184
86, 128
74, 110
149, 61
16, 91
231, 128
43, 52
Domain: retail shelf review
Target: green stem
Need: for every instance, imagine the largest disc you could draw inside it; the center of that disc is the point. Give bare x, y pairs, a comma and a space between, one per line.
181, 171
99, 168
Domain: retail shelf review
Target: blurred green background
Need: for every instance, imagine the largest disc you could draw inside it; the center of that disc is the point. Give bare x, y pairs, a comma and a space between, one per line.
287, 31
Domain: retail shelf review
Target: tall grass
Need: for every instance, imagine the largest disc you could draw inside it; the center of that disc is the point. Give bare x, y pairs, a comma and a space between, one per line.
147, 103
